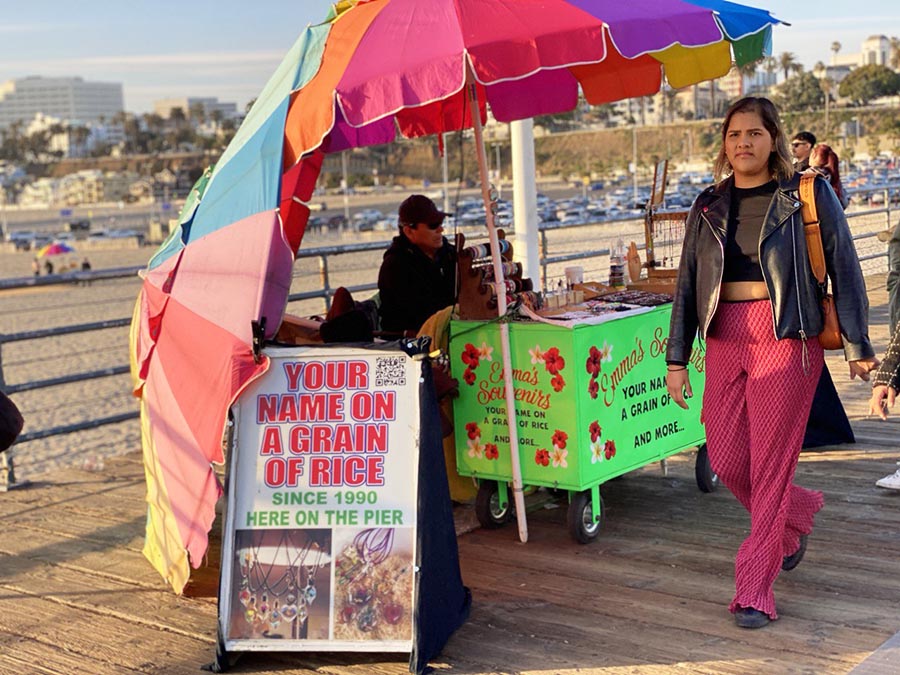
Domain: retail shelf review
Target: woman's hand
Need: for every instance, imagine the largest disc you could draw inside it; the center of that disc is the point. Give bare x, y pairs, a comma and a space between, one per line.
679, 385
863, 367
883, 397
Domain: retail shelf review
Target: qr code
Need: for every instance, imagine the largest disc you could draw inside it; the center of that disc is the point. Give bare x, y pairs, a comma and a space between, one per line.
390, 371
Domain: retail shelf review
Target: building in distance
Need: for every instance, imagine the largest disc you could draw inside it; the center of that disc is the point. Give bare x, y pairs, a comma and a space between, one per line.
190, 105
70, 99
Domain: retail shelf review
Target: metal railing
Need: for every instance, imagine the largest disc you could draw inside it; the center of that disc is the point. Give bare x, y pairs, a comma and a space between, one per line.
325, 291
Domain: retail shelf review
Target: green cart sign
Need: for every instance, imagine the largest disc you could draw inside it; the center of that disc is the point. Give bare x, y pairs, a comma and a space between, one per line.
591, 401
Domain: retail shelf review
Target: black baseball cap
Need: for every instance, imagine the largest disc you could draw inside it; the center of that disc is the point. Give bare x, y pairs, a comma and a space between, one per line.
420, 209
806, 137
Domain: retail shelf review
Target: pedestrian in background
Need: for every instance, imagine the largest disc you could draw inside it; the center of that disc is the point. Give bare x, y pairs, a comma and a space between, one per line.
801, 145
741, 288
824, 160
893, 276
86, 267
886, 383
885, 386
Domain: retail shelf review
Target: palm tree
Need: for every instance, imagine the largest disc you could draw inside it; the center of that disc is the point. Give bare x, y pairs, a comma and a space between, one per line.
668, 101
827, 85
154, 123
80, 135
770, 64
197, 112
177, 116
788, 63
748, 70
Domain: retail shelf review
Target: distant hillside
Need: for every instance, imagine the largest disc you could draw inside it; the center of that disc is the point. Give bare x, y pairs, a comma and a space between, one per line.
582, 153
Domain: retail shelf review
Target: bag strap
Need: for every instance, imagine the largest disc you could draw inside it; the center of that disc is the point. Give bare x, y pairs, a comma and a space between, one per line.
811, 227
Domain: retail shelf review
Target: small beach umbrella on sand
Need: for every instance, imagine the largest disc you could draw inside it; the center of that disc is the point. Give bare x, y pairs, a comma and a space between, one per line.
372, 69
54, 248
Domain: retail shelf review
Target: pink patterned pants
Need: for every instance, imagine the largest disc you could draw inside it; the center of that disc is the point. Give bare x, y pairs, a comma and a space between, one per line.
755, 407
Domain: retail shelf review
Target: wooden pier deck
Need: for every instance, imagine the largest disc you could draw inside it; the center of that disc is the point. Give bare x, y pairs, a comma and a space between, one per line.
648, 597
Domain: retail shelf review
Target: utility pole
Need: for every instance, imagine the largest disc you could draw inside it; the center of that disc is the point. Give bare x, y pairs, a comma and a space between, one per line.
634, 161
497, 154
345, 187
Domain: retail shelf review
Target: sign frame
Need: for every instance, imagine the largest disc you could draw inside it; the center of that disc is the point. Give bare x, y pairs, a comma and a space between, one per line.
345, 548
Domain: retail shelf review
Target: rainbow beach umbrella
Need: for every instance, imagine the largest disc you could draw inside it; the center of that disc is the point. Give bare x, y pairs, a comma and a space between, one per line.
374, 69
54, 248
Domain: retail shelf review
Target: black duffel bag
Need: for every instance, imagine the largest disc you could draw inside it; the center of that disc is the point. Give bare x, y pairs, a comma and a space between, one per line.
11, 422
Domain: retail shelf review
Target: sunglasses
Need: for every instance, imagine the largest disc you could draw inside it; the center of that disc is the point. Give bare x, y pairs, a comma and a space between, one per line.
430, 226
795, 144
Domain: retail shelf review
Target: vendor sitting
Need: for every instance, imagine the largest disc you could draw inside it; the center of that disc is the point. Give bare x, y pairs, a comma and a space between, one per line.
418, 273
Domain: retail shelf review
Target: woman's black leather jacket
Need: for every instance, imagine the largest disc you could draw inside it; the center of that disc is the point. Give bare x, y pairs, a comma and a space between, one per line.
793, 289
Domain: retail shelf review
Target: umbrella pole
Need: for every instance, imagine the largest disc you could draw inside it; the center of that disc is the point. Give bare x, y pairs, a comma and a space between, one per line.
500, 290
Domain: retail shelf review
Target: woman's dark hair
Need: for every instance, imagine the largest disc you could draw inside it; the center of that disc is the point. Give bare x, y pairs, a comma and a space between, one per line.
780, 160
823, 157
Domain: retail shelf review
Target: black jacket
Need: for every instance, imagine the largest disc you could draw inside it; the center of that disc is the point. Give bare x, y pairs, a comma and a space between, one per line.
785, 263
412, 286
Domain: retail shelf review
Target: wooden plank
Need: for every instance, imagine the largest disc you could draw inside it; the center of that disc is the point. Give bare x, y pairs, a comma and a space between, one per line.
648, 597
57, 636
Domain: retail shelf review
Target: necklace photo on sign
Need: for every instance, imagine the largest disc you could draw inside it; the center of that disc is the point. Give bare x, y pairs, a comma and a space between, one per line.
283, 587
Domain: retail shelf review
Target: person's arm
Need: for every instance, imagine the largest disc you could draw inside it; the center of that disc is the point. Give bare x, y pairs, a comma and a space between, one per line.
886, 382
394, 281
684, 320
848, 284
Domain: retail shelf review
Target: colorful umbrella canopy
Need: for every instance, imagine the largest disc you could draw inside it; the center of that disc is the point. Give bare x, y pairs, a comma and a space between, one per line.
372, 68
54, 248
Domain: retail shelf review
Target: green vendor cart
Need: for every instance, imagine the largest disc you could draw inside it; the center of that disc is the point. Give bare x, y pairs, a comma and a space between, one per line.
591, 405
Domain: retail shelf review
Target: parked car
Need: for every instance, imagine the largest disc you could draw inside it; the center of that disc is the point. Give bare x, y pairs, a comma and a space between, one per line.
22, 239
337, 222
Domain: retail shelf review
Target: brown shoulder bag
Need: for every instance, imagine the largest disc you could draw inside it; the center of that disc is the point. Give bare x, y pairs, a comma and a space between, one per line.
830, 337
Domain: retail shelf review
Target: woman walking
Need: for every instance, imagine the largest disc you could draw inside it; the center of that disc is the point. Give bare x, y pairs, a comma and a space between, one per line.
746, 286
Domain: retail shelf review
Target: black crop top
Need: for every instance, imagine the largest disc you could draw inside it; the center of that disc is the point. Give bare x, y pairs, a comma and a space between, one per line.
745, 221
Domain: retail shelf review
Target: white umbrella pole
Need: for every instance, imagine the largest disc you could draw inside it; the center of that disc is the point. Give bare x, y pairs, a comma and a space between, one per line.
500, 290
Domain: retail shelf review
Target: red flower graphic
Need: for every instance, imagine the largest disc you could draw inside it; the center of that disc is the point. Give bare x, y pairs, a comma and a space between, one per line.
557, 382
490, 451
469, 376
472, 430
553, 361
593, 388
595, 431
592, 365
542, 457
559, 439
470, 355
609, 449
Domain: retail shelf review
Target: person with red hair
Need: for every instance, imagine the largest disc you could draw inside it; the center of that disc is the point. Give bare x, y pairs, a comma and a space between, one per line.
824, 160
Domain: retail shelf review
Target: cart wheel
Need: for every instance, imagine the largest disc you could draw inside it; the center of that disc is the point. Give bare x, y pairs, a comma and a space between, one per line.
580, 518
707, 480
487, 506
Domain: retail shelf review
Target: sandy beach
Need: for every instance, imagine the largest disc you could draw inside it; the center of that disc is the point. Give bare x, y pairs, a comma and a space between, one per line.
69, 304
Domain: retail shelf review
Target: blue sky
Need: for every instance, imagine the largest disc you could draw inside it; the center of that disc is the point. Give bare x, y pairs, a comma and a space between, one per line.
228, 49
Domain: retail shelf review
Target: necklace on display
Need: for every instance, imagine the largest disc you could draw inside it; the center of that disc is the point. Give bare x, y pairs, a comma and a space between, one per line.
286, 597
